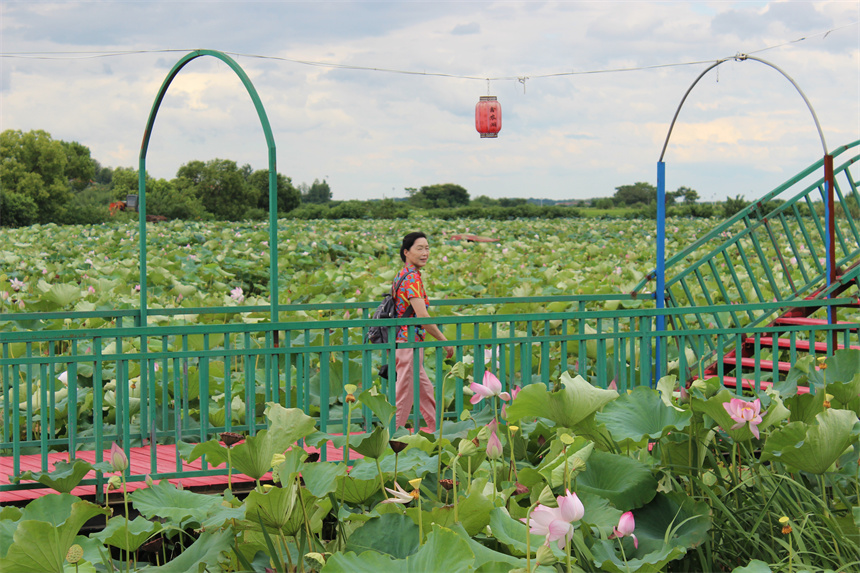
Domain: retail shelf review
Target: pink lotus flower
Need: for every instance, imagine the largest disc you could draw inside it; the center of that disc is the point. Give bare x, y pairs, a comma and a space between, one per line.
237, 294
556, 523
744, 412
491, 386
626, 525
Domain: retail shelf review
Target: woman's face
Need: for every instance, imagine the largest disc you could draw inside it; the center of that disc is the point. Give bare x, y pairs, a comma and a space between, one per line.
418, 254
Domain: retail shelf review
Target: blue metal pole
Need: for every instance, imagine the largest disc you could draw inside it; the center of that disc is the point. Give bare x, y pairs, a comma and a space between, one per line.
661, 265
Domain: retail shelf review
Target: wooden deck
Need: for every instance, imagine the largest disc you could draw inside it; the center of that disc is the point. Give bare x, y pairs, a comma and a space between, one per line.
139, 464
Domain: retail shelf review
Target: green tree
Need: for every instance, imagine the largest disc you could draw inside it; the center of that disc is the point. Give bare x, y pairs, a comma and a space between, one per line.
220, 185
319, 193
80, 167
733, 205
33, 169
689, 196
638, 193
288, 196
440, 196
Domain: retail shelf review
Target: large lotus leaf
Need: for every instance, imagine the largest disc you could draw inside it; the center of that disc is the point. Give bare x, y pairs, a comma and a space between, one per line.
65, 476
215, 452
609, 560
473, 511
485, 556
412, 463
288, 425
205, 551
128, 538
804, 407
843, 375
625, 482
62, 294
713, 407
393, 534
373, 445
599, 513
512, 533
814, 447
253, 457
356, 491
843, 366
272, 508
379, 405
321, 478
179, 506
573, 403
686, 521
444, 550
641, 415
42, 545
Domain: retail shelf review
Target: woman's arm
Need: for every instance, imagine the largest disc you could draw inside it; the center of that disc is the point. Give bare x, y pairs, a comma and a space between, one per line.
421, 312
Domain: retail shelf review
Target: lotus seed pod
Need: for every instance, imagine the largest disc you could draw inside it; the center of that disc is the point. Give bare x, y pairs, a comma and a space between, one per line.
75, 553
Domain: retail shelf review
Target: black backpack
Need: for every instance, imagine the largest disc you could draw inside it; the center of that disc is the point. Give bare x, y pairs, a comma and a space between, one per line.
387, 309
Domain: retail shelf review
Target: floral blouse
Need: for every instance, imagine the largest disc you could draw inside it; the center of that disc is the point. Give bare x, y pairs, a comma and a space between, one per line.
411, 287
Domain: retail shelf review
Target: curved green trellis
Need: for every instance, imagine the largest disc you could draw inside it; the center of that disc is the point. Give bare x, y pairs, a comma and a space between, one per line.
273, 175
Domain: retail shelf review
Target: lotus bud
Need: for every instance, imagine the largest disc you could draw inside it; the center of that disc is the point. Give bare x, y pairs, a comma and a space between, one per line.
544, 555
118, 459
149, 481
494, 447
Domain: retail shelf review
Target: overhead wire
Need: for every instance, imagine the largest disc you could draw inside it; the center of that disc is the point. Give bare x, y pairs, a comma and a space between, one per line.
521, 78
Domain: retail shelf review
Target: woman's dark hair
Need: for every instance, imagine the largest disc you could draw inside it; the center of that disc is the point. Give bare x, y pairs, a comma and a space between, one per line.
408, 241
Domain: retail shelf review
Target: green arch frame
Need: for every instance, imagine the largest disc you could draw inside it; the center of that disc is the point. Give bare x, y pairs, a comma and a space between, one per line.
273, 175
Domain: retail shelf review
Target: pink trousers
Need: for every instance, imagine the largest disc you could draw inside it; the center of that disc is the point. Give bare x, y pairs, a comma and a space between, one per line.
405, 387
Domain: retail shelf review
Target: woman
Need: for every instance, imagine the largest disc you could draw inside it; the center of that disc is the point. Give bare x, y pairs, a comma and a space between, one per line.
414, 251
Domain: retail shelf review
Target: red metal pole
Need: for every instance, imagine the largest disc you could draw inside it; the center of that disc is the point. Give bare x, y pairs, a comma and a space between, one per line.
831, 241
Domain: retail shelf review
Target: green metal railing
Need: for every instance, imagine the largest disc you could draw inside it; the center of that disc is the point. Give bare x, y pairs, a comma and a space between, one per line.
187, 383
773, 250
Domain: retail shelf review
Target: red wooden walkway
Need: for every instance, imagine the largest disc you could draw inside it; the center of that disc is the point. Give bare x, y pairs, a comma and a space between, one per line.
139, 464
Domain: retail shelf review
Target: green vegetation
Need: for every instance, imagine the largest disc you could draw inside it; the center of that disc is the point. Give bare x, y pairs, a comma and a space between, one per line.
51, 181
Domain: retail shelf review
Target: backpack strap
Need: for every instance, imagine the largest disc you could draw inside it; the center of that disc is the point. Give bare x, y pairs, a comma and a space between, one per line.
396, 287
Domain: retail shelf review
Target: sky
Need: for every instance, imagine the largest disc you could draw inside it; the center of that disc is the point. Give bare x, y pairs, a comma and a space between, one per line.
376, 97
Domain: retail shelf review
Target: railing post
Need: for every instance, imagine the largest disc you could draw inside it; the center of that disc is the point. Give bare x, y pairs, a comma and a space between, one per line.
661, 267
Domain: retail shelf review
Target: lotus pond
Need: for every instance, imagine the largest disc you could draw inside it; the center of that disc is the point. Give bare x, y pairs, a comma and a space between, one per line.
647, 480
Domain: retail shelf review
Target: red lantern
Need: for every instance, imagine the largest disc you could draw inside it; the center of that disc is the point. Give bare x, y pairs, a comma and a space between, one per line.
488, 116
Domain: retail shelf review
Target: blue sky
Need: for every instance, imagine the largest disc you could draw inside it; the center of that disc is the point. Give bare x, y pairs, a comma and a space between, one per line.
743, 130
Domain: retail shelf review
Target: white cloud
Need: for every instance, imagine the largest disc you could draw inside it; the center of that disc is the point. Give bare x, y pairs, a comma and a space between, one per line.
373, 132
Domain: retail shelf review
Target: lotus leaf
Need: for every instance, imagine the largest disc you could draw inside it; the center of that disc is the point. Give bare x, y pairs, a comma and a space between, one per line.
641, 415
205, 550
130, 537
625, 482
65, 476
46, 531
814, 447
393, 534
444, 550
179, 506
572, 404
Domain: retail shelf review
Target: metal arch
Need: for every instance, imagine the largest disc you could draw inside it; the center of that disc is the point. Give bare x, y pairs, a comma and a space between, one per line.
740, 58
273, 175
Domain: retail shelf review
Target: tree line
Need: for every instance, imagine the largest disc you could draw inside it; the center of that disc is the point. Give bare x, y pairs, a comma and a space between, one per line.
43, 180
